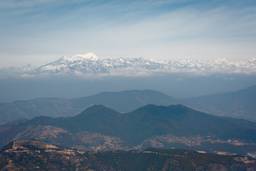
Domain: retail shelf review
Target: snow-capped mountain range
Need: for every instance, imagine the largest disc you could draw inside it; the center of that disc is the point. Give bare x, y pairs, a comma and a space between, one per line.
90, 65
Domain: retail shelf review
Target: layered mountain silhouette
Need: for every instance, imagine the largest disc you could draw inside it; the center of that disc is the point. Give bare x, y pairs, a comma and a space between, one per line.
150, 123
123, 101
238, 104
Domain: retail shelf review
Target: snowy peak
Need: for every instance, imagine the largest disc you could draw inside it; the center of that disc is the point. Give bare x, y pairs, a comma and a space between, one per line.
89, 64
89, 55
85, 56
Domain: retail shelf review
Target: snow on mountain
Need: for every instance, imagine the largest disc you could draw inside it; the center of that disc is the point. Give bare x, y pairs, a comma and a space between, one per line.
84, 64
90, 64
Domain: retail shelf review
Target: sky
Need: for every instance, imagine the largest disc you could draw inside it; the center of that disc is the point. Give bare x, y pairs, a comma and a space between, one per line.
38, 31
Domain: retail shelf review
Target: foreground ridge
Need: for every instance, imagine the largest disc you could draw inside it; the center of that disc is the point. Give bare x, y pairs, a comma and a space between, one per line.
100, 128
35, 155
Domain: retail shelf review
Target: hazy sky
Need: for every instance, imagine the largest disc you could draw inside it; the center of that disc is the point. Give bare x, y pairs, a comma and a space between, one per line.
37, 31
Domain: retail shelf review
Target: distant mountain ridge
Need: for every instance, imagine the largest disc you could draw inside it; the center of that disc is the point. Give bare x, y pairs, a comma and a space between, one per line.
89, 65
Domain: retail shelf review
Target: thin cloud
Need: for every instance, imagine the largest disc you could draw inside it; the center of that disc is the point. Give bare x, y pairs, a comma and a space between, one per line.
41, 30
